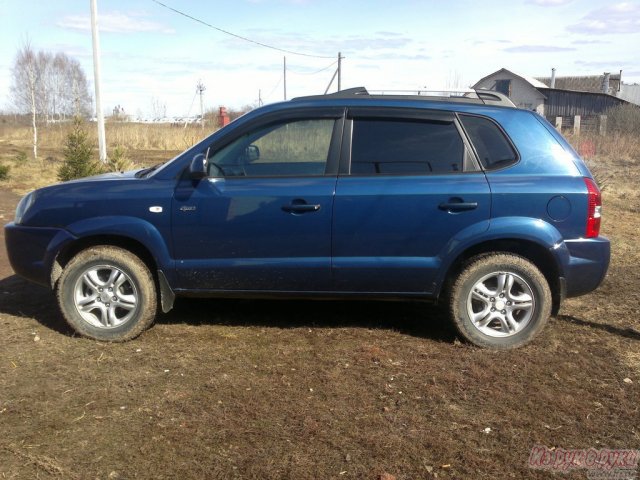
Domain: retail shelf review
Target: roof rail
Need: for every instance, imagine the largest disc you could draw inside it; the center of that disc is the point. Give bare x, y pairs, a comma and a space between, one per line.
346, 93
486, 97
349, 92
491, 97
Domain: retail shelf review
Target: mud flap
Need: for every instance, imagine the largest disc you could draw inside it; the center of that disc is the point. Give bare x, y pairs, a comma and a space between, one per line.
167, 296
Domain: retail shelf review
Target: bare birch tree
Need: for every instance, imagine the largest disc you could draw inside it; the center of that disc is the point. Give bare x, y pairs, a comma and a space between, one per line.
26, 80
78, 102
49, 87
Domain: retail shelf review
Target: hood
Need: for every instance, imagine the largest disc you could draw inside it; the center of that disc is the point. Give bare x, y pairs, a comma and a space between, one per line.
106, 176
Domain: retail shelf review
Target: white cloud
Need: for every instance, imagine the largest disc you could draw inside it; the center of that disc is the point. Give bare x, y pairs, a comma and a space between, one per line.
619, 18
589, 42
549, 3
310, 44
286, 2
114, 22
611, 65
396, 56
537, 49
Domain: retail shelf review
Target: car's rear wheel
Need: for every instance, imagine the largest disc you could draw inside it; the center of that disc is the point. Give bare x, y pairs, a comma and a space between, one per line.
107, 293
500, 301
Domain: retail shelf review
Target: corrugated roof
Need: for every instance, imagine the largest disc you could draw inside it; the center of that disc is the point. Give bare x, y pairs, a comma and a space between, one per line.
591, 83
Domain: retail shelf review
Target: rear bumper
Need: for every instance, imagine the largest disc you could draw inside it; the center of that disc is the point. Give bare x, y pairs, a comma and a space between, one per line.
587, 265
32, 250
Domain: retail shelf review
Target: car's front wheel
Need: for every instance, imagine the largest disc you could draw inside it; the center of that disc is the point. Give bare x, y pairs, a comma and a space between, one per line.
500, 301
107, 293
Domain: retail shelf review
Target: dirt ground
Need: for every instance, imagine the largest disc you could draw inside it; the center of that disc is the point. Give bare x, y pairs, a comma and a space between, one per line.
318, 390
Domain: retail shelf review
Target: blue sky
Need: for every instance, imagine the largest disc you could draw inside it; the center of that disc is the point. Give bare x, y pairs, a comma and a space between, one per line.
150, 52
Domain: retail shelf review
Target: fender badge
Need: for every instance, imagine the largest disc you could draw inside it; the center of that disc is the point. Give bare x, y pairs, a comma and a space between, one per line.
155, 209
187, 208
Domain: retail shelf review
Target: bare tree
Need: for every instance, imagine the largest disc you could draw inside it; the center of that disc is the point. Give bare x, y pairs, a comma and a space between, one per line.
24, 89
64, 87
78, 99
158, 108
47, 86
454, 81
44, 62
57, 86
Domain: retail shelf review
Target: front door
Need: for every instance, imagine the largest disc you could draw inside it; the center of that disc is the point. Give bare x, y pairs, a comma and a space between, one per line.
261, 221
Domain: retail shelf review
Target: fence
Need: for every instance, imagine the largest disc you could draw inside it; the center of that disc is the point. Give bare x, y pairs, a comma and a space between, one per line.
580, 123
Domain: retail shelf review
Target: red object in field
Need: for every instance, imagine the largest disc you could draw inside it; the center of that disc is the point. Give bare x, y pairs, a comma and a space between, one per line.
223, 117
587, 148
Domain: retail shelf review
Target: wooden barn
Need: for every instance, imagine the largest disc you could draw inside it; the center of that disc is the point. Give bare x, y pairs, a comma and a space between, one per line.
583, 97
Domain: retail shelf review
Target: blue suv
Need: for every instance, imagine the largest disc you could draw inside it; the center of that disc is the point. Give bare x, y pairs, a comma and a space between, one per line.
466, 201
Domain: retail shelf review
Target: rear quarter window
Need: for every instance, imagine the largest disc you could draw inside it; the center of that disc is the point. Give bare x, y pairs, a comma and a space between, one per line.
540, 152
492, 146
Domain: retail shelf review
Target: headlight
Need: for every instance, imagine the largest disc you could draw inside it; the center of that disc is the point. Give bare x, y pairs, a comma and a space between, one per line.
23, 205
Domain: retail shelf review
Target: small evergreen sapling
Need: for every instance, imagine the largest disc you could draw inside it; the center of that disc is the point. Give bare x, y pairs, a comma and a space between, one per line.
77, 155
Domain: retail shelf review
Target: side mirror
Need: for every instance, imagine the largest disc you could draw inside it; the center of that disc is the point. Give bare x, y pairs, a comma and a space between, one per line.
198, 167
252, 153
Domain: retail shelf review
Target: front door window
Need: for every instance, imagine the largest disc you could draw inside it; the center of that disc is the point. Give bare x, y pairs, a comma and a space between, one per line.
291, 149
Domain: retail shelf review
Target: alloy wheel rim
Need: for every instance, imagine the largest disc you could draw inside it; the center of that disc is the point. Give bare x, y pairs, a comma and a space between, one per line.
105, 296
501, 304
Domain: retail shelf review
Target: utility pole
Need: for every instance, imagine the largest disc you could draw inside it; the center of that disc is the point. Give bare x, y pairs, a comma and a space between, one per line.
284, 74
337, 73
200, 88
259, 97
102, 146
340, 57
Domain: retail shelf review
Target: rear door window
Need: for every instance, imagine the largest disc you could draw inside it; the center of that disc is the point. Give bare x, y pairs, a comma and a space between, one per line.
405, 147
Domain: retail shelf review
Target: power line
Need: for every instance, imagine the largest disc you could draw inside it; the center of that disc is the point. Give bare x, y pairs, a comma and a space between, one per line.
273, 89
235, 35
186, 120
316, 72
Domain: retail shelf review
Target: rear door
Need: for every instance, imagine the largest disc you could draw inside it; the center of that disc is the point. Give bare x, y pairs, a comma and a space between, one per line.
408, 185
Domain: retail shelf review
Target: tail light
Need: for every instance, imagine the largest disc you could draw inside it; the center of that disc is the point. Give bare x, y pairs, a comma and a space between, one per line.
594, 202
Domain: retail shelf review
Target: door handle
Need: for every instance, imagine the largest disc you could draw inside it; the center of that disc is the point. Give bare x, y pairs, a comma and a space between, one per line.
457, 205
300, 208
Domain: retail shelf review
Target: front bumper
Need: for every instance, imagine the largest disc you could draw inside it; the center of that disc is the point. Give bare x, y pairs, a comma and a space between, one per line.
32, 250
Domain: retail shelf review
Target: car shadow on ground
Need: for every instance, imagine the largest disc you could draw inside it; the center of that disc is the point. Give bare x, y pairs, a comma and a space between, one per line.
25, 299
631, 333
21, 298
418, 319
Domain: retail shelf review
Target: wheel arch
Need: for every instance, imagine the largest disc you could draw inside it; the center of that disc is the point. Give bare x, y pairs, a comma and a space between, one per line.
534, 252
126, 243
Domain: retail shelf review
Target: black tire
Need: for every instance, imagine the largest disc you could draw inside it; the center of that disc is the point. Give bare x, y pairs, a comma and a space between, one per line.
116, 289
493, 290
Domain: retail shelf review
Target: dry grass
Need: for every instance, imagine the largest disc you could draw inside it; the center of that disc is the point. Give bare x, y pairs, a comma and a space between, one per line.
609, 148
141, 144
613, 160
131, 136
